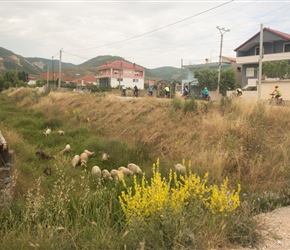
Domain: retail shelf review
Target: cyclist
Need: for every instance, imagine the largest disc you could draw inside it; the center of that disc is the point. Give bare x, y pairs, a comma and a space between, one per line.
167, 91
135, 91
123, 90
205, 93
185, 91
150, 90
277, 93
239, 92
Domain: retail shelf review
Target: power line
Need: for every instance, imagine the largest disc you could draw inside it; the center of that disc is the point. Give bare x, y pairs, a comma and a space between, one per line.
149, 32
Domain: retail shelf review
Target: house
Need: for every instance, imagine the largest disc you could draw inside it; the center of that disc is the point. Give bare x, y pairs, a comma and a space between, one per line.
54, 77
86, 80
191, 81
120, 72
276, 47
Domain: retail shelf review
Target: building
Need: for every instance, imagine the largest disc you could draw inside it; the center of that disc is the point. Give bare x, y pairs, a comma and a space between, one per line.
276, 47
191, 81
119, 72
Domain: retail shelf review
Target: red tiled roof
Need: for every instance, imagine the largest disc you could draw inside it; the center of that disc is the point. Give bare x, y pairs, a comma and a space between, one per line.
275, 32
120, 64
232, 59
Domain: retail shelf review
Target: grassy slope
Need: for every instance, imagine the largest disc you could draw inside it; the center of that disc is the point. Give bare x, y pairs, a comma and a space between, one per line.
246, 141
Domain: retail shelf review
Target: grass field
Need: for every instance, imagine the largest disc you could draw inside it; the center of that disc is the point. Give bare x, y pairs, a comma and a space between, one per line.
236, 156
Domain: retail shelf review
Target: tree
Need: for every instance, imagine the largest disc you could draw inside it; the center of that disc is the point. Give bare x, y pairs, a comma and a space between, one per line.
22, 76
209, 79
276, 69
10, 77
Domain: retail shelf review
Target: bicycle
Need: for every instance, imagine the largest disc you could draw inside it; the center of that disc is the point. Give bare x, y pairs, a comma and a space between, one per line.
276, 101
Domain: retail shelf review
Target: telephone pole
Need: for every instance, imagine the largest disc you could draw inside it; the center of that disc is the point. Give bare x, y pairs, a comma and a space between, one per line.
59, 71
222, 31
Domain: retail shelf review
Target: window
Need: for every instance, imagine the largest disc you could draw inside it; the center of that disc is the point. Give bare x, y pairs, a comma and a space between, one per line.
257, 51
135, 80
250, 72
116, 72
136, 74
286, 47
119, 79
238, 69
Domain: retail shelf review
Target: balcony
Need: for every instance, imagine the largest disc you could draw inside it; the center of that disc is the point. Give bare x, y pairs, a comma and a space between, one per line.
266, 58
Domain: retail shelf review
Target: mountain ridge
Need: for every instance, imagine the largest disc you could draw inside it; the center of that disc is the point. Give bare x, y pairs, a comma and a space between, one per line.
36, 65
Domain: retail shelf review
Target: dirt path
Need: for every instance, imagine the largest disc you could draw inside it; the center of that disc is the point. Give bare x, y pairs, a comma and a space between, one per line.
276, 230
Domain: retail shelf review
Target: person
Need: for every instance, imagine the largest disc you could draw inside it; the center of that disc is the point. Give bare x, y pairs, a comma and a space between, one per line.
205, 93
123, 90
239, 92
4, 152
277, 93
135, 91
150, 90
185, 91
167, 91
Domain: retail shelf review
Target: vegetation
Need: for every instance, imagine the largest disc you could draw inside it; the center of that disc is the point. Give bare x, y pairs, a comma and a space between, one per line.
209, 79
235, 168
276, 69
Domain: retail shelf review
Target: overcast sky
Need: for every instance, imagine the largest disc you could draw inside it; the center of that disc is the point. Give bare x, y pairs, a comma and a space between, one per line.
150, 33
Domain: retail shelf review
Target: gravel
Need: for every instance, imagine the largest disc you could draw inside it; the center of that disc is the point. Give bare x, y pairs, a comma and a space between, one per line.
276, 230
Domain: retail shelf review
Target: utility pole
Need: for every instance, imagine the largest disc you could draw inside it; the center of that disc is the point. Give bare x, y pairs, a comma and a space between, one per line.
260, 61
59, 71
222, 31
52, 72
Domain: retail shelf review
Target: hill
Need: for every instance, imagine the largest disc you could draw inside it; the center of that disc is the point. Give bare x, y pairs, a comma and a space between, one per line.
36, 65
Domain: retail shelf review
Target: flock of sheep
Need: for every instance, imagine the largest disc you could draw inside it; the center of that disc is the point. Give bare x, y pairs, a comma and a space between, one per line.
82, 159
96, 172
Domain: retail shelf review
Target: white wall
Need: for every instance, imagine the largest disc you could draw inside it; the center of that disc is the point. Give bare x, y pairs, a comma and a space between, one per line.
267, 87
128, 82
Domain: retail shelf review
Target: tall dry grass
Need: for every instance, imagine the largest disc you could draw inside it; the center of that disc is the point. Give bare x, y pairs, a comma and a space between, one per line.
248, 142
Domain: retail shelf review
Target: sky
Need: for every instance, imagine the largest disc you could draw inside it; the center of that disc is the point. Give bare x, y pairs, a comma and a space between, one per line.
149, 33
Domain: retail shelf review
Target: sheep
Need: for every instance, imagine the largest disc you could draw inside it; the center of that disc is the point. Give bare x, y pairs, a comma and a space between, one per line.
105, 157
106, 175
134, 168
60, 132
44, 156
47, 171
96, 172
83, 159
88, 152
179, 168
116, 174
47, 132
66, 149
125, 171
75, 160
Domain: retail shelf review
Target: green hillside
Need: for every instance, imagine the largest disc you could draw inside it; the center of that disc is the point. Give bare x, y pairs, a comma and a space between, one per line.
36, 65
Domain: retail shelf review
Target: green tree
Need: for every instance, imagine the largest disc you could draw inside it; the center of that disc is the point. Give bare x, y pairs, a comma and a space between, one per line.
276, 69
11, 77
22, 76
209, 79
39, 83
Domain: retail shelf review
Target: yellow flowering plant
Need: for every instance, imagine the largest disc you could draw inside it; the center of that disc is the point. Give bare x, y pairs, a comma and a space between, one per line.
160, 196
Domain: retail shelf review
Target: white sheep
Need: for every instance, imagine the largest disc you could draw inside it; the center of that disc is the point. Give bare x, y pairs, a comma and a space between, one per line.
83, 159
60, 132
75, 160
116, 174
134, 168
89, 153
105, 157
66, 149
47, 132
179, 168
125, 171
106, 175
96, 172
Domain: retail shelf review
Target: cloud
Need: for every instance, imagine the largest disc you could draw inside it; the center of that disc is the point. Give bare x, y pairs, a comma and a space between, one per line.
152, 34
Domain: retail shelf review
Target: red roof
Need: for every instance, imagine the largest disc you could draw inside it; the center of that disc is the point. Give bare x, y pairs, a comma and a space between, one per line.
275, 32
120, 64
232, 59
